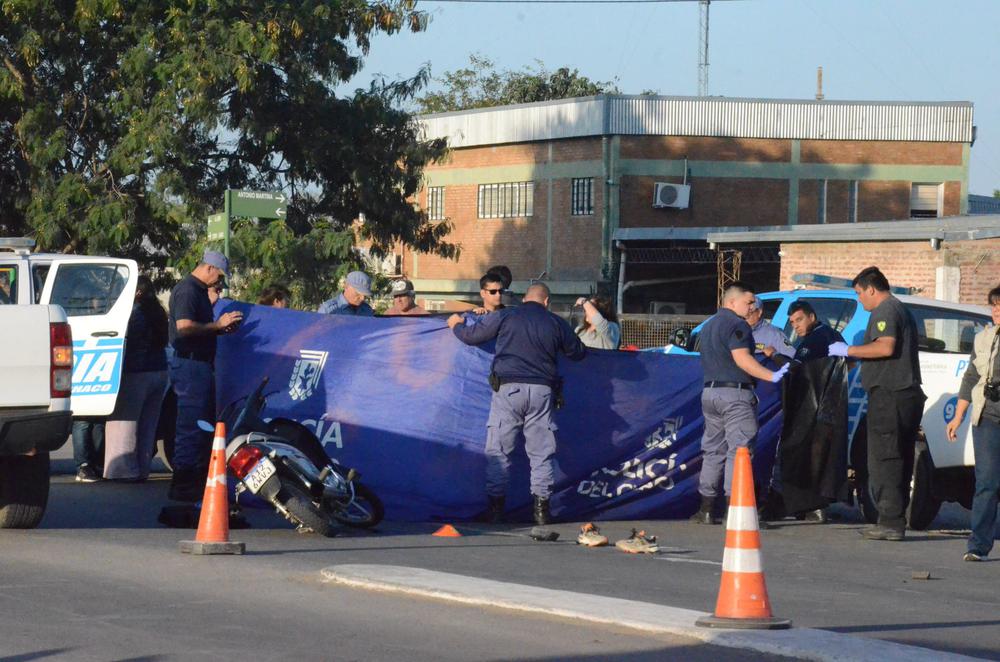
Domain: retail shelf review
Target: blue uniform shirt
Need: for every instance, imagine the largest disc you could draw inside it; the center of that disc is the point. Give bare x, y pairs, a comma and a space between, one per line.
723, 333
529, 341
816, 344
339, 306
189, 301
766, 334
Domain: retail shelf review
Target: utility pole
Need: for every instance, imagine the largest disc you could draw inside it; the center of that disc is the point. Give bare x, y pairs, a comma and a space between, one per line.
703, 47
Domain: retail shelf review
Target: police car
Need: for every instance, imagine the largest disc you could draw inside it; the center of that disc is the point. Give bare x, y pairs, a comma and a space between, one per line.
97, 294
943, 470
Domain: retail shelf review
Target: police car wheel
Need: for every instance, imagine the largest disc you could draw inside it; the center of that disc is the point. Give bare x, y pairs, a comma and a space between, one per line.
924, 505
24, 490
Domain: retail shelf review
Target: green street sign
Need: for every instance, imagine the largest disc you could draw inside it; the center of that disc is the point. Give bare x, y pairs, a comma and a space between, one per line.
257, 204
218, 227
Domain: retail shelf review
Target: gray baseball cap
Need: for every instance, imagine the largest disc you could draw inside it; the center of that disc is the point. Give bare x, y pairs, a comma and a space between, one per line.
217, 260
401, 287
360, 281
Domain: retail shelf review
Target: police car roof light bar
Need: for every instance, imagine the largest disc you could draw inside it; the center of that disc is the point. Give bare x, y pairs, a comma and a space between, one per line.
19, 245
837, 283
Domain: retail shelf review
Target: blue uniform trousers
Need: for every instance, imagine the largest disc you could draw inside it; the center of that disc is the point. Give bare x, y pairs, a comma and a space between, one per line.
730, 422
514, 409
194, 384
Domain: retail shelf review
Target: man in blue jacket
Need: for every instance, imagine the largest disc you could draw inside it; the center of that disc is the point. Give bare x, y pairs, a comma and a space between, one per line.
525, 387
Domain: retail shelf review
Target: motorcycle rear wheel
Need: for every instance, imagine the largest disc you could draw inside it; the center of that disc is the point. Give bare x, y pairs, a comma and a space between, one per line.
364, 512
303, 512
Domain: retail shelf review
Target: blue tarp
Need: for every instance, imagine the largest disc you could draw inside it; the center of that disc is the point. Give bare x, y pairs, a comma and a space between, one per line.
406, 403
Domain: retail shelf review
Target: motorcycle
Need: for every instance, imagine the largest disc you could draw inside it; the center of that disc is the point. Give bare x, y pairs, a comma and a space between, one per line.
282, 462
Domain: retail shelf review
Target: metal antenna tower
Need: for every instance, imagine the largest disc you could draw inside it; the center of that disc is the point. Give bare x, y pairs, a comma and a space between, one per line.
703, 47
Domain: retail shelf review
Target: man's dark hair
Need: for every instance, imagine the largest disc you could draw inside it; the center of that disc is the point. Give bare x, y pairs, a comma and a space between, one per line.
804, 306
272, 294
491, 277
994, 296
871, 277
502, 275
735, 288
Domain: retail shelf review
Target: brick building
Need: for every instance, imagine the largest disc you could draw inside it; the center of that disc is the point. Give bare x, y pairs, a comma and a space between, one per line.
597, 190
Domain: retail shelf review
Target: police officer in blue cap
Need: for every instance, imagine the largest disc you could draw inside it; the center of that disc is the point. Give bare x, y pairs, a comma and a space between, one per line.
728, 401
357, 288
193, 330
525, 384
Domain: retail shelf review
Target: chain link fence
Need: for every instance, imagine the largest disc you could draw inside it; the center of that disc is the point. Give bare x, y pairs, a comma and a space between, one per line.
646, 331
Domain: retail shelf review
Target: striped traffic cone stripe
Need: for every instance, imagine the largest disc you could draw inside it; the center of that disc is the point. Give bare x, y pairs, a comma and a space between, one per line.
213, 525
743, 602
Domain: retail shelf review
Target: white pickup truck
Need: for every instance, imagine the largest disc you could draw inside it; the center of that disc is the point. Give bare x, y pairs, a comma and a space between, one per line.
36, 351
90, 299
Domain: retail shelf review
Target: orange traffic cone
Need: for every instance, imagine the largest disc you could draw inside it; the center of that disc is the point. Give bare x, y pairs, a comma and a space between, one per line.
743, 601
447, 531
213, 525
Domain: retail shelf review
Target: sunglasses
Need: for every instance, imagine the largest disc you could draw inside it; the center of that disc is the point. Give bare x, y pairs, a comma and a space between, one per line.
496, 291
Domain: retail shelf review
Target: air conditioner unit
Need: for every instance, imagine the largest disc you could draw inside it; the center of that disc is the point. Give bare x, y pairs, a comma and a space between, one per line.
667, 308
675, 196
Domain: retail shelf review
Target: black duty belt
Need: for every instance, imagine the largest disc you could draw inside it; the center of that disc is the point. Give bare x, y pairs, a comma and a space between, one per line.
192, 356
742, 385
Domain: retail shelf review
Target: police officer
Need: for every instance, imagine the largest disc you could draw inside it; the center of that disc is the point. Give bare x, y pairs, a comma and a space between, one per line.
890, 373
193, 330
728, 401
525, 385
352, 301
767, 338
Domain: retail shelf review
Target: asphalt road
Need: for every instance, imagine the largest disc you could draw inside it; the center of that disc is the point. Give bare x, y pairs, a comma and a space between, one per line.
101, 580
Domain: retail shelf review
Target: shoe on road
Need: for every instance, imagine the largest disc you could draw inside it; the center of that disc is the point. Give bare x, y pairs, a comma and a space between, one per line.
638, 543
818, 516
883, 533
590, 536
974, 556
87, 474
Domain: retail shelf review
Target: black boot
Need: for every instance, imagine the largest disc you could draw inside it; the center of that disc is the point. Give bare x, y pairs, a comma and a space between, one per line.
542, 516
704, 514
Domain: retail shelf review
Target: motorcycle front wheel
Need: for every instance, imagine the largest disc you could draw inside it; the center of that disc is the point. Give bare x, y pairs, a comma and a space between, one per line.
364, 512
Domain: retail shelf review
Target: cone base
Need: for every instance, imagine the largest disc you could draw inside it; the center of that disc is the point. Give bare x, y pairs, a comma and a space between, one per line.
744, 623
199, 548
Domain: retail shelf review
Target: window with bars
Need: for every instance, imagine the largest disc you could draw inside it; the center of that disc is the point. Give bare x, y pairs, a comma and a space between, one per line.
583, 197
435, 203
507, 200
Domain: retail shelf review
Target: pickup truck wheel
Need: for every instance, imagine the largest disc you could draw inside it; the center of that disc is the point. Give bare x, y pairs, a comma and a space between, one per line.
24, 490
924, 505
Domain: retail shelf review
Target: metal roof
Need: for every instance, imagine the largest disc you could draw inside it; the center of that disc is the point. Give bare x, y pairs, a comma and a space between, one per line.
949, 228
619, 114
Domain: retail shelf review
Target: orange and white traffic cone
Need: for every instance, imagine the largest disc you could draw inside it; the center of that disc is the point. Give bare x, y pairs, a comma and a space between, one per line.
213, 525
743, 601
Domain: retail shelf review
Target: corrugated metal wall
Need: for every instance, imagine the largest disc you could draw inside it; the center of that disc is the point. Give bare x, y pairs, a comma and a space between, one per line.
696, 116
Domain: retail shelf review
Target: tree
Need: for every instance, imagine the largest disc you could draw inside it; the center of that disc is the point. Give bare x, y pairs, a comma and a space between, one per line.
123, 122
996, 193
480, 85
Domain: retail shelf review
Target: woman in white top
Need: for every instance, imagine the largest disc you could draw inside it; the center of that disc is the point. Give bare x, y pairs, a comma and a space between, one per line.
600, 328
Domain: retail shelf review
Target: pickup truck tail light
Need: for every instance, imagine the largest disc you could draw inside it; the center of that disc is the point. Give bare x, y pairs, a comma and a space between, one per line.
61, 365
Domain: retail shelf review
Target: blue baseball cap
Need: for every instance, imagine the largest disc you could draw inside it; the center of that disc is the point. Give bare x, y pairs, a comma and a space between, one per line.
360, 281
217, 260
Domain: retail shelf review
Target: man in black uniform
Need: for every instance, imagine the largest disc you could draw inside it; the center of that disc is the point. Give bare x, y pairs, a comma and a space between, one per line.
525, 384
193, 329
890, 373
728, 401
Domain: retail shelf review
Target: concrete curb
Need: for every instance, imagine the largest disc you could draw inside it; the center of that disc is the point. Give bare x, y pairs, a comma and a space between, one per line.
805, 643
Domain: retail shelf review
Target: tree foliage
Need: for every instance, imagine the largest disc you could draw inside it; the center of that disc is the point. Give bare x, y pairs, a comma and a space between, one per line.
122, 122
481, 85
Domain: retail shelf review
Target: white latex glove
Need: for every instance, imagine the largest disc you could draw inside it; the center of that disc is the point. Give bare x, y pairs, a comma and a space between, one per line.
779, 373
837, 349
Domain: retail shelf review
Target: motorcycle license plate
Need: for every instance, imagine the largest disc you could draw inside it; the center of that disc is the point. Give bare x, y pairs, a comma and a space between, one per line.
255, 479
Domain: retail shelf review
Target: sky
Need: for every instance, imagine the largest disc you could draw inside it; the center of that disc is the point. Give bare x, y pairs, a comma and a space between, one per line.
870, 50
